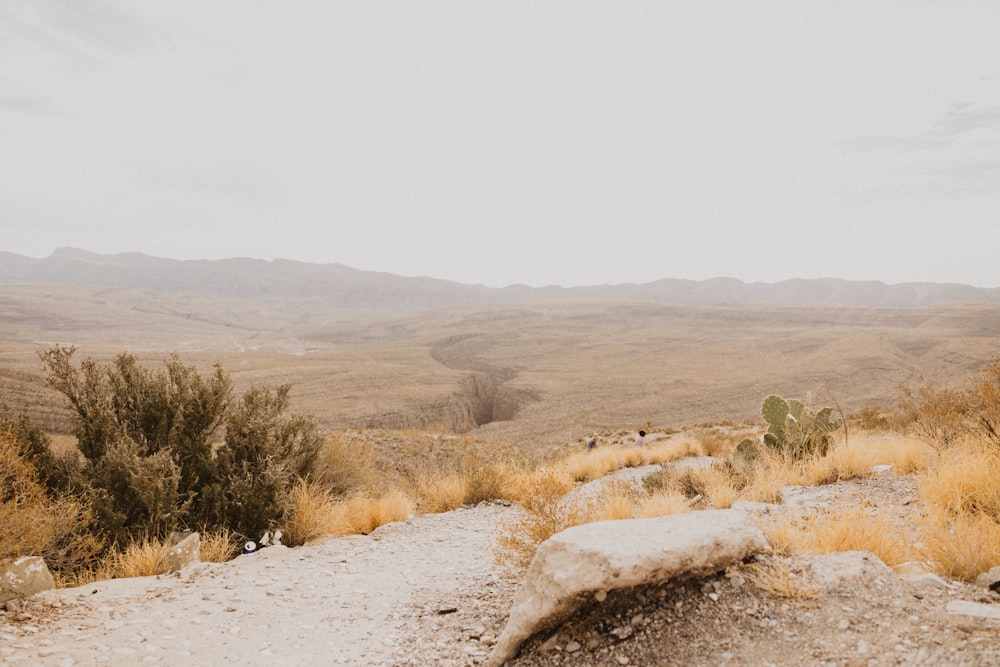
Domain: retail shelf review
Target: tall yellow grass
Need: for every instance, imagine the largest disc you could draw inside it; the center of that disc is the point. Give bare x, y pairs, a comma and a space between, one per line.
962, 532
853, 528
363, 514
961, 546
139, 558
441, 493
315, 514
965, 481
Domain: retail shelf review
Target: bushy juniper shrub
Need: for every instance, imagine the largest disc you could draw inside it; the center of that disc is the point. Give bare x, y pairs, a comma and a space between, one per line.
169, 448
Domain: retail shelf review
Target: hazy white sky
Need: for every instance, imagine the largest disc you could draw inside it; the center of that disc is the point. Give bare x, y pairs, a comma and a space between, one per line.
500, 142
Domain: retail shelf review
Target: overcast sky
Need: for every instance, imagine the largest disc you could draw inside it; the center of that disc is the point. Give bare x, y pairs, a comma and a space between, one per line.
509, 142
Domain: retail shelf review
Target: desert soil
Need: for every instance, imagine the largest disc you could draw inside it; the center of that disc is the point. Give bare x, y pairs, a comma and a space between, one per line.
427, 592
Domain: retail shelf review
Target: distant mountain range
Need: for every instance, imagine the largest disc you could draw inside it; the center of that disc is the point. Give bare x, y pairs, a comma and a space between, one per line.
335, 287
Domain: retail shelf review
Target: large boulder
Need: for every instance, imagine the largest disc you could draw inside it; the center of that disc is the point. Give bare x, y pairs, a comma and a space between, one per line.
585, 562
23, 577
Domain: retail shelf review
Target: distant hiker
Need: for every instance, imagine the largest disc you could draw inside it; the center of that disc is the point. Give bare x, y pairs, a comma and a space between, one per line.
640, 440
592, 444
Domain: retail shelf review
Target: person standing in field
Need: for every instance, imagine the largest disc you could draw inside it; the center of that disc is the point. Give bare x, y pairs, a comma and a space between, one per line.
640, 440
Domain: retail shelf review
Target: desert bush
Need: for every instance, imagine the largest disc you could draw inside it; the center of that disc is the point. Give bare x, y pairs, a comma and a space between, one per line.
33, 522
518, 538
617, 501
34, 445
871, 418
943, 416
347, 463
716, 441
169, 448
937, 415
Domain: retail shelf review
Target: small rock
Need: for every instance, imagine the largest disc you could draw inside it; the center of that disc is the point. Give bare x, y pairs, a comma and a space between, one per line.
23, 577
601, 596
844, 624
976, 609
714, 597
623, 632
882, 469
622, 660
573, 647
990, 579
928, 579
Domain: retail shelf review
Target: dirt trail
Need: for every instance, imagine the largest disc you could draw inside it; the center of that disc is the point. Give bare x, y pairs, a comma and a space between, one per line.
427, 592
423, 592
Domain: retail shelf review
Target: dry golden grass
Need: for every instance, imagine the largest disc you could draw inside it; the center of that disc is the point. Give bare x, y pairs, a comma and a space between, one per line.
347, 463
777, 577
442, 493
315, 514
363, 514
963, 546
539, 486
34, 524
219, 546
965, 481
518, 537
717, 441
140, 558
962, 532
617, 501
857, 528
662, 504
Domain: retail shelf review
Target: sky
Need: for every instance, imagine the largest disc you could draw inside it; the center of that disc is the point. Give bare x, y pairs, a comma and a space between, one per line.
559, 142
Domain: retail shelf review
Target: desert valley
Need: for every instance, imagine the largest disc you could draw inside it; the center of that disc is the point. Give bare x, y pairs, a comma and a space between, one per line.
398, 363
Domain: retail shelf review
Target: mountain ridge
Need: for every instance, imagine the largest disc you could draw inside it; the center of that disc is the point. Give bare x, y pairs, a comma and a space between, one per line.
339, 287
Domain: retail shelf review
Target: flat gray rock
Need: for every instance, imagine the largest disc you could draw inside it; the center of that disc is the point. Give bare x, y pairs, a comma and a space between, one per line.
977, 609
585, 562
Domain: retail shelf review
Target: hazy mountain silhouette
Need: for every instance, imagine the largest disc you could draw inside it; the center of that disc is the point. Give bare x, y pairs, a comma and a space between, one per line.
335, 287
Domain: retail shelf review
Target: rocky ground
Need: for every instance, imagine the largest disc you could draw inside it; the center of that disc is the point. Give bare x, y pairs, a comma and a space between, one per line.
427, 592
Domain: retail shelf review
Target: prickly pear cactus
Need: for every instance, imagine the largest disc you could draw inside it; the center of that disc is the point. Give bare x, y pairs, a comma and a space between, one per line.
793, 429
774, 410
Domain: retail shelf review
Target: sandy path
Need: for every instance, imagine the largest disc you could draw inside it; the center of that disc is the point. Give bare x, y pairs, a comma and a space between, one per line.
423, 592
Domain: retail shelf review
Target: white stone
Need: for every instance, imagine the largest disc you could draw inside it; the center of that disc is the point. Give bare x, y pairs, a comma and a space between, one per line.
977, 609
572, 566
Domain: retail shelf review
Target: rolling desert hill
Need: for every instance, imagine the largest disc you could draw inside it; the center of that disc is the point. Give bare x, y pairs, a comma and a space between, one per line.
536, 367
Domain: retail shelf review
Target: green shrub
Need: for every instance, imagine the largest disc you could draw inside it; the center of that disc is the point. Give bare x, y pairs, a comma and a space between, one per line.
170, 448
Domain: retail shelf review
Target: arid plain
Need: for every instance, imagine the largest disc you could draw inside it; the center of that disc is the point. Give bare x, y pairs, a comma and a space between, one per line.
535, 374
